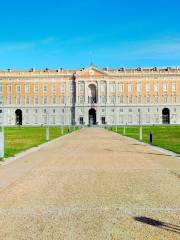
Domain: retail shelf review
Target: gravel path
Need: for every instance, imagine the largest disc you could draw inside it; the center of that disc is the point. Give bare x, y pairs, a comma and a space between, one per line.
93, 184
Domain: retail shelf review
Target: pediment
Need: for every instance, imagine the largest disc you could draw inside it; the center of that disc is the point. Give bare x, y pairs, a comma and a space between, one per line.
90, 72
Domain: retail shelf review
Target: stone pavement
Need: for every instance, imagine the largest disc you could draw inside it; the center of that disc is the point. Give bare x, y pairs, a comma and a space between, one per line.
93, 184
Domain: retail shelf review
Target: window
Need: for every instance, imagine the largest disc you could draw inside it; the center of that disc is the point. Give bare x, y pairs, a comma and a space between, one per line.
62, 87
120, 99
174, 86
36, 100
36, 88
147, 87
174, 98
165, 86
70, 99
18, 100
112, 99
18, 88
130, 99
81, 100
45, 88
103, 87
121, 87
156, 87
139, 99
53, 87
121, 110
1, 88
62, 99
81, 87
103, 99
27, 100
1, 99
147, 99
156, 99
129, 87
44, 100
165, 98
9, 89
71, 87
53, 99
27, 88
9, 100
112, 87
139, 87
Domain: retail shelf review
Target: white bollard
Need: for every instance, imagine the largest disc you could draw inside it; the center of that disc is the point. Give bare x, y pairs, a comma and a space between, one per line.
140, 134
47, 134
124, 130
62, 130
2, 142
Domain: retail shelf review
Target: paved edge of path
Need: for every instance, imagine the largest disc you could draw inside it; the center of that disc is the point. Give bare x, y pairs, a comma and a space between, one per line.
6, 161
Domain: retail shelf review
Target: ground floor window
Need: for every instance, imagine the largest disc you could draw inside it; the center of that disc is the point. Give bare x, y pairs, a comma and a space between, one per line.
81, 120
103, 120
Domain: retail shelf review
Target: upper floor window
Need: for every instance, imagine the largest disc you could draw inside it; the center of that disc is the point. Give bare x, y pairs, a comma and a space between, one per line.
27, 88
130, 99
147, 87
71, 87
54, 87
112, 87
9, 100
165, 86
174, 86
156, 99
103, 87
130, 87
139, 86
81, 100
44, 100
45, 88
9, 89
27, 100
18, 88
165, 98
81, 87
62, 99
18, 100
112, 99
53, 99
36, 100
1, 88
35, 88
174, 98
147, 98
139, 99
121, 99
156, 86
62, 87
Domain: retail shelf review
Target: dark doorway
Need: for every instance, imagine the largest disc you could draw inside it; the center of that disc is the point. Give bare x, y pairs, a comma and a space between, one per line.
81, 120
18, 113
165, 116
103, 120
92, 116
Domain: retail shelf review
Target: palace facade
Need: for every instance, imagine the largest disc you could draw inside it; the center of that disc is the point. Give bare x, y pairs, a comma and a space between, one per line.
90, 96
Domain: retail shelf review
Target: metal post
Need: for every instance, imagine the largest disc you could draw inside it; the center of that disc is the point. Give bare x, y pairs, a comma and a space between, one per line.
140, 125
2, 142
140, 134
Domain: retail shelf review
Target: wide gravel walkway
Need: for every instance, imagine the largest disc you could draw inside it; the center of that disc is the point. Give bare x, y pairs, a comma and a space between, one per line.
92, 184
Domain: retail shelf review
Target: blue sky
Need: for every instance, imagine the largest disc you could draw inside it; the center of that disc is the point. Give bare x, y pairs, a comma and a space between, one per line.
71, 34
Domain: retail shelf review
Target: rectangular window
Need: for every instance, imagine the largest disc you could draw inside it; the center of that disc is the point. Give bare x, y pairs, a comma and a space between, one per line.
174, 86
139, 99
112, 99
165, 98
139, 87
27, 100
129, 87
112, 87
165, 86
147, 99
9, 89
147, 87
156, 99
71, 87
1, 99
156, 86
35, 88
36, 101
81, 87
53, 99
121, 87
44, 100
103, 87
18, 100
62, 87
18, 88
9, 100
81, 100
62, 99
130, 99
27, 88
45, 88
103, 99
54, 87
174, 98
1, 88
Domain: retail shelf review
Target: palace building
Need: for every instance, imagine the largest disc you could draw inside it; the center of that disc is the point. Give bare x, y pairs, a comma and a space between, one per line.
90, 96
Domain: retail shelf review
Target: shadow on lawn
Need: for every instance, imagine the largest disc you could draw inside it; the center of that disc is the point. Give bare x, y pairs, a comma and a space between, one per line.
155, 223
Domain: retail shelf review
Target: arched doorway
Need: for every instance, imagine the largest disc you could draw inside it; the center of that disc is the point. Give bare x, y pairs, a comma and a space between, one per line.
165, 116
18, 113
92, 116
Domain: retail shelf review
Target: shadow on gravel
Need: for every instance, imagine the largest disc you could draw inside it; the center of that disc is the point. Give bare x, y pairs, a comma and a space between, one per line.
155, 223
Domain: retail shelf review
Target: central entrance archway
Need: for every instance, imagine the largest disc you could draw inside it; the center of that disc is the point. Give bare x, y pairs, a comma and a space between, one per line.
18, 113
92, 116
165, 116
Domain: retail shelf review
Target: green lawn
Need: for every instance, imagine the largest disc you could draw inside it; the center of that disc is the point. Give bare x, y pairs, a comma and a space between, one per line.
18, 139
167, 137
